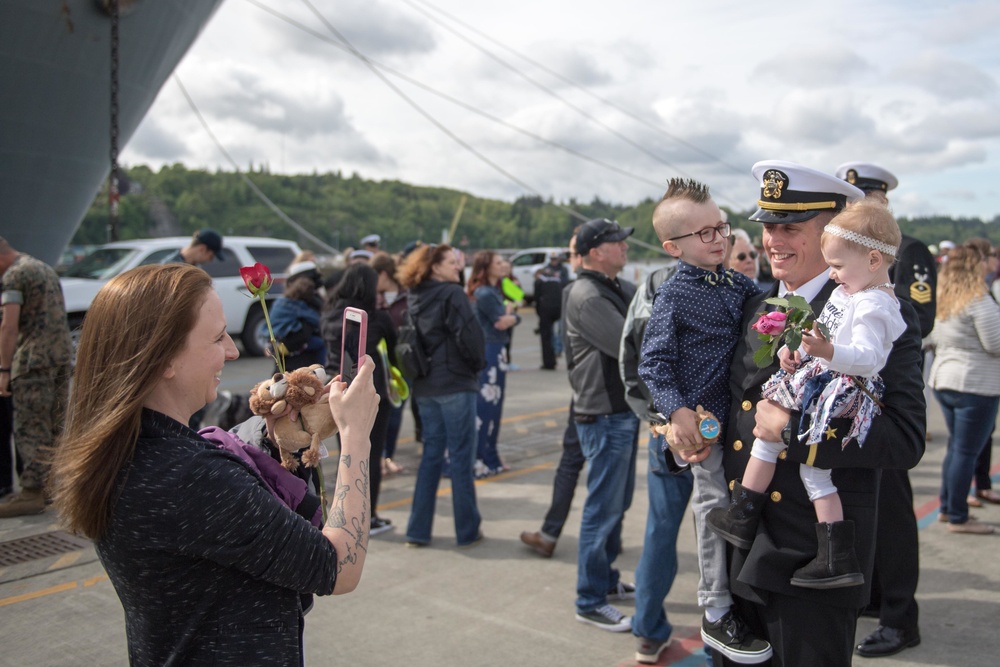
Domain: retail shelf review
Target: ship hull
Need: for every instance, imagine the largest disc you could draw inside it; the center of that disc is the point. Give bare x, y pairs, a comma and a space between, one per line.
55, 104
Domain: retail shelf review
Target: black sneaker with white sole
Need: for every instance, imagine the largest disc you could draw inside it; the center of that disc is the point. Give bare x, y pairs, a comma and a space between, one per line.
607, 618
731, 637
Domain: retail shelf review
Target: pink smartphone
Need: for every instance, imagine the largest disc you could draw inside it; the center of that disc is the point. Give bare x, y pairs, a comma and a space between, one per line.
352, 342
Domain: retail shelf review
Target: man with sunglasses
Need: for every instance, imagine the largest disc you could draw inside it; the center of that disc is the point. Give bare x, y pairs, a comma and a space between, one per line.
594, 312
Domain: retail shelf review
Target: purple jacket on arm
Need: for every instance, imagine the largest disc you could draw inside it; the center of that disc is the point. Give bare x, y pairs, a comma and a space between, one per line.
283, 485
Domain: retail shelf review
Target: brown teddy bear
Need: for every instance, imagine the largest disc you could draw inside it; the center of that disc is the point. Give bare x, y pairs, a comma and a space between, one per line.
300, 394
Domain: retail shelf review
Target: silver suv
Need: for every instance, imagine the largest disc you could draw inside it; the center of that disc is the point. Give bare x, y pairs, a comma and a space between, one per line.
82, 281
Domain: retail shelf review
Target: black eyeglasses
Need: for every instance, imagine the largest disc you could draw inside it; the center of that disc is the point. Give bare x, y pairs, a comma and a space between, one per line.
708, 235
741, 256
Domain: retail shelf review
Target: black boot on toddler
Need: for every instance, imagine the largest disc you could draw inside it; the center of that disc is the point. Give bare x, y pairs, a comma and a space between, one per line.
737, 524
836, 563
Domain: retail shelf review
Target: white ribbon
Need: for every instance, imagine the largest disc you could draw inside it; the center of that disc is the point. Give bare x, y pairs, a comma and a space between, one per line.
861, 239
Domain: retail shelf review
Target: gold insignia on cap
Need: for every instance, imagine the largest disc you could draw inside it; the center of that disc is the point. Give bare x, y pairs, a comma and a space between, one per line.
852, 176
774, 183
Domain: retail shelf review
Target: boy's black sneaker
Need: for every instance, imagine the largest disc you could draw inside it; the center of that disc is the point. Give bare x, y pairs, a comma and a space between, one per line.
731, 637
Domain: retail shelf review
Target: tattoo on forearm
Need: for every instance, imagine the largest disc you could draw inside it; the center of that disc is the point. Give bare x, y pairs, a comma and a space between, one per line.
349, 558
354, 525
338, 516
362, 483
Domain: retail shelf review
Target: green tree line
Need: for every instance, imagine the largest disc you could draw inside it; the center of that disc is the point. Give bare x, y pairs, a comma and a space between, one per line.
341, 209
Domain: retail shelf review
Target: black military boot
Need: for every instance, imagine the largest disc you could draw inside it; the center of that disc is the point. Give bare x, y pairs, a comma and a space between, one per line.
836, 564
737, 524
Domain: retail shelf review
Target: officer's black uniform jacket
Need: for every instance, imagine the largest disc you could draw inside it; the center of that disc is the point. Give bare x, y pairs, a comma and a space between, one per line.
786, 539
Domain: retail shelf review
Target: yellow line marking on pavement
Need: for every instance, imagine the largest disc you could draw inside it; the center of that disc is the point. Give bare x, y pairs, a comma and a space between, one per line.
52, 590
489, 480
66, 560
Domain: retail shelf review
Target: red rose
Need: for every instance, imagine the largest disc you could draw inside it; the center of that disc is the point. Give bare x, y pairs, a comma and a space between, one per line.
257, 278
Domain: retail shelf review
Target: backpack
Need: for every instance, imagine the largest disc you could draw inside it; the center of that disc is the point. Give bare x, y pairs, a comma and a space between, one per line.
411, 356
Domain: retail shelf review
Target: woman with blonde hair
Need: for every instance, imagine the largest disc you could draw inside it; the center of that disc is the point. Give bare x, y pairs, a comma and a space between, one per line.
208, 563
446, 396
965, 376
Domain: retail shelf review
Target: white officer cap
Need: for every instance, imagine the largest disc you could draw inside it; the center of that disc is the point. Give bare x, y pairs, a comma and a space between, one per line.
791, 192
867, 176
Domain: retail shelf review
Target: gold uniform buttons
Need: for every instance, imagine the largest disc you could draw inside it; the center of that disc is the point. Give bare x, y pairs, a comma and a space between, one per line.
731, 484
737, 445
746, 406
776, 496
783, 454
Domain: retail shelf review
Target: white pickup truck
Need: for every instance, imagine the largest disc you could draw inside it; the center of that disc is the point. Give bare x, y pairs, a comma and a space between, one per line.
525, 262
82, 281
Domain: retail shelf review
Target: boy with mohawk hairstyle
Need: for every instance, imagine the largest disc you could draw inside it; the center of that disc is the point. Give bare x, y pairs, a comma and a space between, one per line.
686, 353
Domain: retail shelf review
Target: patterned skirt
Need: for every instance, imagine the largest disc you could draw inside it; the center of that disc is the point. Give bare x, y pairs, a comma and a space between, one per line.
825, 395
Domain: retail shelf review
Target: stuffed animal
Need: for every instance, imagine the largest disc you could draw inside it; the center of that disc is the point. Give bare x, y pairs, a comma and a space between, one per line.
708, 429
300, 393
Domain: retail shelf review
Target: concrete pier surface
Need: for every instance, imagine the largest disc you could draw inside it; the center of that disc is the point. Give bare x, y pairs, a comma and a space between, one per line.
498, 603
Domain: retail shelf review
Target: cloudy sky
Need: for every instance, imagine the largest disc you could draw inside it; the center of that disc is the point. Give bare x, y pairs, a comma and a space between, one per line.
584, 99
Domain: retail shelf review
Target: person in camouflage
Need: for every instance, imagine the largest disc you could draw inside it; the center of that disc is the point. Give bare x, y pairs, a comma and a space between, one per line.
35, 354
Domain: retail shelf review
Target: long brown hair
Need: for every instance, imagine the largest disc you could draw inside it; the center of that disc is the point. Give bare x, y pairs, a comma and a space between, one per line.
480, 271
136, 325
419, 264
962, 280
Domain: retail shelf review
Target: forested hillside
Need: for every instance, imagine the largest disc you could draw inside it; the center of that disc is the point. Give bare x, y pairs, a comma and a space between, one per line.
340, 210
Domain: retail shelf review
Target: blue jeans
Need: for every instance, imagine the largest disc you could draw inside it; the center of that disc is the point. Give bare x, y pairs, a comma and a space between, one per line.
449, 424
609, 443
970, 419
668, 498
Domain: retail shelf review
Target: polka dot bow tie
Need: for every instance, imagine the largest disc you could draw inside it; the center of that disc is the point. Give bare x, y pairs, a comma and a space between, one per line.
724, 277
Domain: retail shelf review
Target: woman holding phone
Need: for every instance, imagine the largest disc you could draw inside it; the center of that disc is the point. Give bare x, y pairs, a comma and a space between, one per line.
206, 559
446, 397
358, 288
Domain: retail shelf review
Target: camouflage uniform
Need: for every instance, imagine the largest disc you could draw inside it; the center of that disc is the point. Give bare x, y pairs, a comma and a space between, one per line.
41, 367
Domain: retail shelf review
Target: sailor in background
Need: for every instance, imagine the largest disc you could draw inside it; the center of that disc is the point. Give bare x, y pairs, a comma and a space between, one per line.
897, 561
371, 243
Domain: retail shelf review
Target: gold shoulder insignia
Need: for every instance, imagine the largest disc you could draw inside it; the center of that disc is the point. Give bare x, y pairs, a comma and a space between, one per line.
830, 433
920, 292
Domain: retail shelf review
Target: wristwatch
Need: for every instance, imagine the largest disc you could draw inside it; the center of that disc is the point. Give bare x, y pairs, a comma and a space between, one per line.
786, 434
